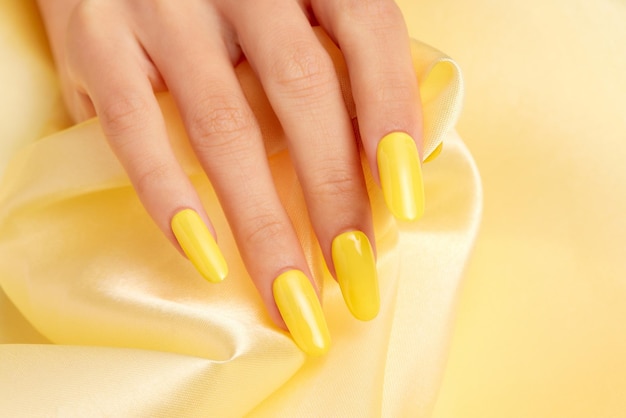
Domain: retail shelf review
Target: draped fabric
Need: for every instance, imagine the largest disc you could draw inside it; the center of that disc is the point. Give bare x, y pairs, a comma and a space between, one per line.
132, 330
100, 316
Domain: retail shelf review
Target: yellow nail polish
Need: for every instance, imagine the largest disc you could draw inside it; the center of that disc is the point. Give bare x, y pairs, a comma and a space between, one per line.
435, 153
301, 310
356, 273
401, 176
198, 244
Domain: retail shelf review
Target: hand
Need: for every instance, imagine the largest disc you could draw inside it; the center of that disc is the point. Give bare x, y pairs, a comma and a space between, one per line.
114, 54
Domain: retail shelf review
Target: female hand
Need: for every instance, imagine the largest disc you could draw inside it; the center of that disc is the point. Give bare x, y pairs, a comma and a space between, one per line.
114, 54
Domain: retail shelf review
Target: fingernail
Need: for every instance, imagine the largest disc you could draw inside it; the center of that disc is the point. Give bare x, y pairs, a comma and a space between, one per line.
301, 310
401, 176
198, 244
356, 273
435, 153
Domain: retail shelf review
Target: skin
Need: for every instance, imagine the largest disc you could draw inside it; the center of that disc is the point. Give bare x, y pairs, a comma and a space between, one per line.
113, 55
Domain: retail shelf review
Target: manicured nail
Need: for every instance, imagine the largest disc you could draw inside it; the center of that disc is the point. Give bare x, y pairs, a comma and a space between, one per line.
356, 273
401, 176
301, 310
198, 244
435, 153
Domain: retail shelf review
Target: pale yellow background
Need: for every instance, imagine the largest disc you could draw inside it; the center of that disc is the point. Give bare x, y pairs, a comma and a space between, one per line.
541, 323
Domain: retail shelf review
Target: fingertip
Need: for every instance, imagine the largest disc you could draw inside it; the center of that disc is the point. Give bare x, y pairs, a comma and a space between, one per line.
199, 246
300, 308
400, 174
355, 268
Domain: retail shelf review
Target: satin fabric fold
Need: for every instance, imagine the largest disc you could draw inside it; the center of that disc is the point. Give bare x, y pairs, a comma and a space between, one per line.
136, 332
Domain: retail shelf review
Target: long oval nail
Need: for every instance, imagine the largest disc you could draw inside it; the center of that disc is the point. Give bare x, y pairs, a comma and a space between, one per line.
355, 267
401, 176
301, 310
199, 245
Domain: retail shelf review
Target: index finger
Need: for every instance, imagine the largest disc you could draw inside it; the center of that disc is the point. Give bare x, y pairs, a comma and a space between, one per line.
133, 124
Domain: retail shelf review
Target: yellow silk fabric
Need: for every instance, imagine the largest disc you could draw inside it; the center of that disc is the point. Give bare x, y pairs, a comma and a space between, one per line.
102, 317
541, 321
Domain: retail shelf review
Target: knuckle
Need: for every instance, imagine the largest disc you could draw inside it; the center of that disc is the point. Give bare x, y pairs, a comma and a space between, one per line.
150, 176
336, 183
219, 120
304, 68
89, 17
378, 13
85, 13
264, 228
85, 34
393, 88
124, 115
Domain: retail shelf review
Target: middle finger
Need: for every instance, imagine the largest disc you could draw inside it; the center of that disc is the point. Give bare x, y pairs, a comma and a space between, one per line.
302, 86
195, 63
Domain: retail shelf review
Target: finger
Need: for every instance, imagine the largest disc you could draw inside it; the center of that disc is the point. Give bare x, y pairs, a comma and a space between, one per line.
374, 40
132, 122
299, 78
224, 133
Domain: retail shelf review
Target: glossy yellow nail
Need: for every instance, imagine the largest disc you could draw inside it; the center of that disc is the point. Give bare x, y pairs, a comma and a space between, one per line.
301, 310
355, 267
401, 176
198, 244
